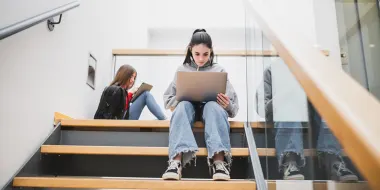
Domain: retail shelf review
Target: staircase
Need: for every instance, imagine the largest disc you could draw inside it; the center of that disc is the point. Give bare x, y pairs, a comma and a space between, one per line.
115, 154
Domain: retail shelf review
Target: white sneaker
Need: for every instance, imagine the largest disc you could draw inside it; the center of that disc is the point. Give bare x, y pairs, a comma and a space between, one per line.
220, 172
174, 171
292, 172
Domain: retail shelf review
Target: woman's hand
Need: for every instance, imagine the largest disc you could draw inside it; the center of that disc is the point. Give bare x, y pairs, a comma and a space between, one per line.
223, 100
133, 90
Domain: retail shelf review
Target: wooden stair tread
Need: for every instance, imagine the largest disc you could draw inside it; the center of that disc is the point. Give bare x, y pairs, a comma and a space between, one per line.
166, 52
118, 183
146, 151
123, 150
156, 183
103, 123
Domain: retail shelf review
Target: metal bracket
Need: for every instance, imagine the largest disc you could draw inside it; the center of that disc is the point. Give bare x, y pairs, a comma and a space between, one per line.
51, 22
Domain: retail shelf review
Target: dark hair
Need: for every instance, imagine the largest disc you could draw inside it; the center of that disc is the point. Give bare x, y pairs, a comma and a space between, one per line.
200, 36
123, 75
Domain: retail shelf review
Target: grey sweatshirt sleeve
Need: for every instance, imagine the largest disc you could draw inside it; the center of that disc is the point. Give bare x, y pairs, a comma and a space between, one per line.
233, 108
170, 100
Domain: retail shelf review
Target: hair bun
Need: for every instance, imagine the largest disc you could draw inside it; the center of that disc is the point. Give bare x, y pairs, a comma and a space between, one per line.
199, 30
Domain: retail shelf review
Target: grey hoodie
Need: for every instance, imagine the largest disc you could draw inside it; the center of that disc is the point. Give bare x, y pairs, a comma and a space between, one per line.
170, 93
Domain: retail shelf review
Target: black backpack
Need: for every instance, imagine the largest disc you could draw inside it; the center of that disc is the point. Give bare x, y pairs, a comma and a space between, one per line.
112, 103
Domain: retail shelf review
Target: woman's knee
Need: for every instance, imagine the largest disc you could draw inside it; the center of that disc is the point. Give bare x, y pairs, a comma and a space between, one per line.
182, 108
211, 107
184, 105
145, 94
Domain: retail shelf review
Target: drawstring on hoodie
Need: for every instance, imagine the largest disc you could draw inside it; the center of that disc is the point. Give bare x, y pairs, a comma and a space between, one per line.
198, 68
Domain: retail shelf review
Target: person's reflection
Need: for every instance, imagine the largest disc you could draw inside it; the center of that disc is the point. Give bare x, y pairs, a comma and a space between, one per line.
289, 143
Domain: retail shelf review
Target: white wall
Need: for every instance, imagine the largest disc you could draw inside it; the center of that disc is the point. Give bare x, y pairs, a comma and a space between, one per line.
195, 13
296, 14
40, 72
314, 19
326, 27
224, 38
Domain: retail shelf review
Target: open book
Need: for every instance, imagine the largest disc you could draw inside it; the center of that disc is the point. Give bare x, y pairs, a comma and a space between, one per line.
143, 87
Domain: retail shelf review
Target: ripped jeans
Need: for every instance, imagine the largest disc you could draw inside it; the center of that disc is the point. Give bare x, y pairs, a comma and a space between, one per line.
181, 137
289, 139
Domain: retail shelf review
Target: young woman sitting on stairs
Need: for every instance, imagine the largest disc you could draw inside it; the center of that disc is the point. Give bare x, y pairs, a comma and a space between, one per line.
125, 78
182, 144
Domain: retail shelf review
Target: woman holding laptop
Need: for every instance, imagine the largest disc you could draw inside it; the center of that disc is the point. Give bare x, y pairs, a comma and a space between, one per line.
182, 144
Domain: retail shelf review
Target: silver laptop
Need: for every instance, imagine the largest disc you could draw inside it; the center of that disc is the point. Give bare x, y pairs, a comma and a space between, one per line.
200, 86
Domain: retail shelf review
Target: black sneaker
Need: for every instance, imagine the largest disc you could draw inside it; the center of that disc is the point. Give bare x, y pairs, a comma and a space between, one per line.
336, 168
292, 172
174, 171
220, 171
340, 172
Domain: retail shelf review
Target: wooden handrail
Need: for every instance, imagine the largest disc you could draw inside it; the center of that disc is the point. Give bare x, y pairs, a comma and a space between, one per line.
350, 110
160, 52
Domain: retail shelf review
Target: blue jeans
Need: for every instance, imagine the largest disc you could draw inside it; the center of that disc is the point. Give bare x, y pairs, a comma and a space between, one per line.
138, 105
289, 139
217, 128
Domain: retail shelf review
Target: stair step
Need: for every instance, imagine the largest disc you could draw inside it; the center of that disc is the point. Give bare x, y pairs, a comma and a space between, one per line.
103, 123
120, 183
146, 151
123, 150
184, 184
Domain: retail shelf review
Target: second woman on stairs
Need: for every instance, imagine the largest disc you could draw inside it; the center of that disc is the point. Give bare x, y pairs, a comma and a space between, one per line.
214, 114
124, 82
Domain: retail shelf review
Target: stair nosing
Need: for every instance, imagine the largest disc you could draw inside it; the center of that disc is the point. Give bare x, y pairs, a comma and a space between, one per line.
70, 182
146, 151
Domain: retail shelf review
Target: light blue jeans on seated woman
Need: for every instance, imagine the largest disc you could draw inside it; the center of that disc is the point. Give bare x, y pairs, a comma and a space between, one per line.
138, 105
181, 137
289, 139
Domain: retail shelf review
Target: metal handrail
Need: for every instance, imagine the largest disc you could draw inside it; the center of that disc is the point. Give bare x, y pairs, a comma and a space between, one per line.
27, 23
259, 175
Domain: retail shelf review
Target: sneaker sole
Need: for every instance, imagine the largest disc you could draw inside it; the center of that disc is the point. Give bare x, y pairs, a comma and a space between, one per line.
221, 177
348, 178
171, 176
295, 177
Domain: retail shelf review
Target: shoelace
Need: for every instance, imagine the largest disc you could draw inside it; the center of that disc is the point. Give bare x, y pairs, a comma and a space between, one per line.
173, 165
221, 166
292, 167
341, 167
